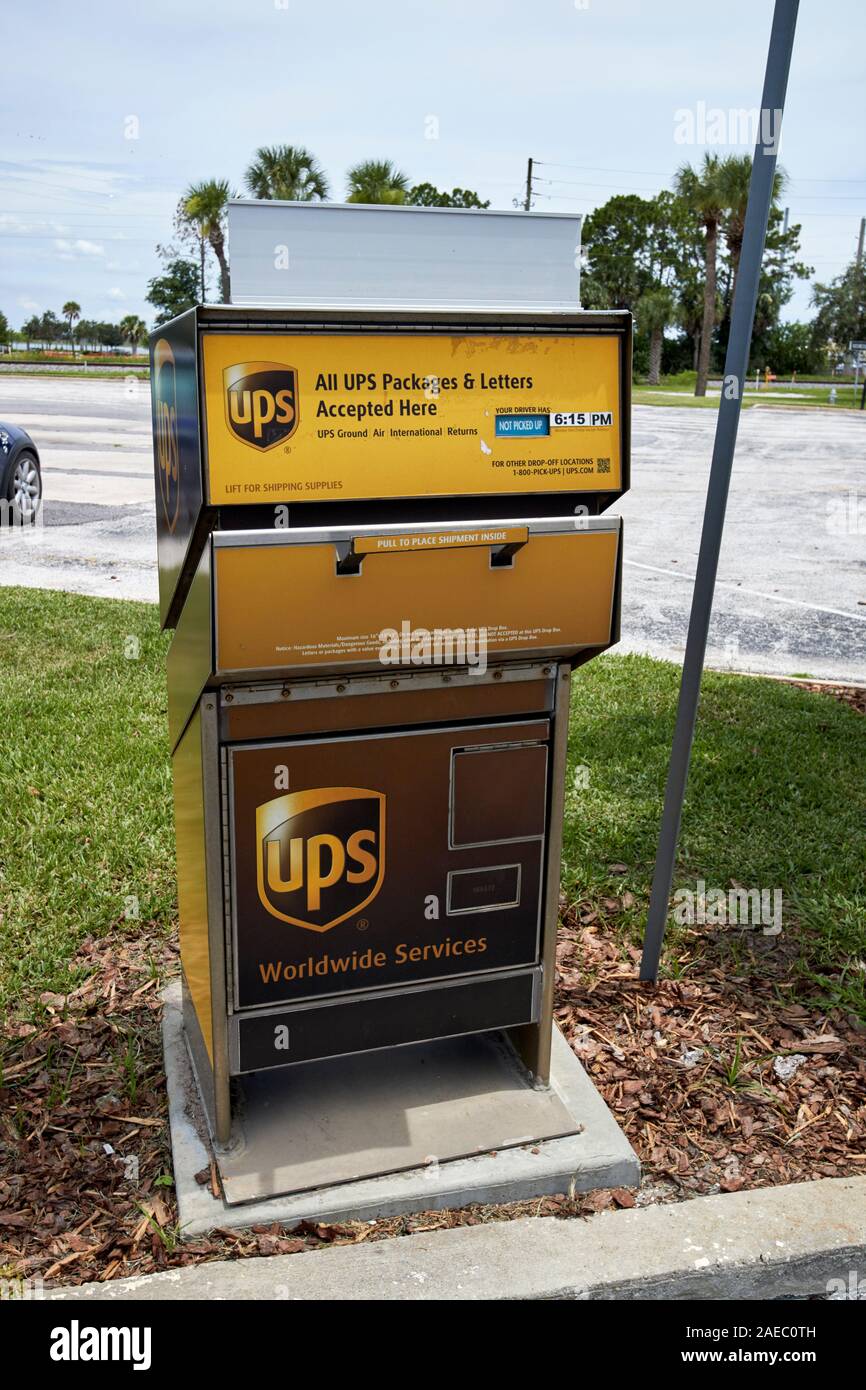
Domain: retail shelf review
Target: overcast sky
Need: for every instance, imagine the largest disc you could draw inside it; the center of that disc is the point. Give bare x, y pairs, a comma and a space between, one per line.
590, 88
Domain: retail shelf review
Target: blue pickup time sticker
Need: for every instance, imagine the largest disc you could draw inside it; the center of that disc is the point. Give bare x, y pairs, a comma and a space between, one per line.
522, 426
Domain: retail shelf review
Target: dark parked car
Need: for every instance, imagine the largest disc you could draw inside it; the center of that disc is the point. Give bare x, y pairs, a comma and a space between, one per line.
20, 476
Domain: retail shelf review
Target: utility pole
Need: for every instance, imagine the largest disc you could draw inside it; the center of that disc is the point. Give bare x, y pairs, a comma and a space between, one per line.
858, 289
736, 361
527, 202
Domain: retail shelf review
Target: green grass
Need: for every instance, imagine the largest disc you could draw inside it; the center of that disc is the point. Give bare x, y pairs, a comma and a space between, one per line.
665, 395
804, 395
776, 797
96, 373
81, 355
85, 786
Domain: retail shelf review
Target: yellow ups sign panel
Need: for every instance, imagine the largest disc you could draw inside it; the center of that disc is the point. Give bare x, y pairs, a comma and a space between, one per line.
311, 417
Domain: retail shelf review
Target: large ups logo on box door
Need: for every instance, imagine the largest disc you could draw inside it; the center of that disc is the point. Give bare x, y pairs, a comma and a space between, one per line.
261, 401
320, 854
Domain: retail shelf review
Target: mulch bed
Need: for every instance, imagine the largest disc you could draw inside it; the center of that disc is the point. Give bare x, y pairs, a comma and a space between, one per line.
689, 1067
717, 1081
853, 695
721, 1081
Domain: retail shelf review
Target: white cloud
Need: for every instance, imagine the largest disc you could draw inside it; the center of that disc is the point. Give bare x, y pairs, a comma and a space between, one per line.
74, 250
115, 293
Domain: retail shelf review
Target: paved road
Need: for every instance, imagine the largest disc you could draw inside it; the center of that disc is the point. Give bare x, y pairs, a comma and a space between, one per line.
94, 440
791, 594
792, 580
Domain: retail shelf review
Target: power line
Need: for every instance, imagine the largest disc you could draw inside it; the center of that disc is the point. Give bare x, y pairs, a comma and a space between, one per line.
38, 215
609, 169
57, 236
807, 213
825, 197
601, 168
52, 183
571, 183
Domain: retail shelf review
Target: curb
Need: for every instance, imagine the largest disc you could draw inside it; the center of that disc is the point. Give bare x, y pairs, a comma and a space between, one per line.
841, 682
775, 1242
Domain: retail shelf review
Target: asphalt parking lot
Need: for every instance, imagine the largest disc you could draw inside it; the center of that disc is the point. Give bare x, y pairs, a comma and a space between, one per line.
791, 598
791, 591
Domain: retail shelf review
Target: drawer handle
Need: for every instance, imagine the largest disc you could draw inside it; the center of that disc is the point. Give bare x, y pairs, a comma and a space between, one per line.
349, 560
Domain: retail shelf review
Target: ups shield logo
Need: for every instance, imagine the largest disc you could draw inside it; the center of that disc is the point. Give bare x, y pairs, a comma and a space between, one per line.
167, 445
320, 854
261, 400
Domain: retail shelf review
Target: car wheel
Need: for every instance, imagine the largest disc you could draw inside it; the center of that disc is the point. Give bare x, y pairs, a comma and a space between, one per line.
24, 489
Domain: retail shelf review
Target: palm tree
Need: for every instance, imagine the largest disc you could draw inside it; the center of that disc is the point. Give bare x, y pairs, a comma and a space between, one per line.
703, 193
71, 312
377, 181
735, 174
287, 172
654, 311
203, 205
134, 330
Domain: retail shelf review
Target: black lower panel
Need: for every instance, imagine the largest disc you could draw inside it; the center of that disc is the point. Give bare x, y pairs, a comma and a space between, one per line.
361, 1025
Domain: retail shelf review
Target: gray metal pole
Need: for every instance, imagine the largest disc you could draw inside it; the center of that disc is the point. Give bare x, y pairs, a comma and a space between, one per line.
736, 363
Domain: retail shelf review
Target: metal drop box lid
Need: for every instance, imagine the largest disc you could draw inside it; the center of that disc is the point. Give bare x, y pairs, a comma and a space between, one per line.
351, 255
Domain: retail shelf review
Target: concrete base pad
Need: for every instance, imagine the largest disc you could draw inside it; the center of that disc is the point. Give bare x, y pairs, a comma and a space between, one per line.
348, 1118
592, 1152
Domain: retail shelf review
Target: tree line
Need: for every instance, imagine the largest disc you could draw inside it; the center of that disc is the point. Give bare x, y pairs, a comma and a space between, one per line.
672, 260
69, 330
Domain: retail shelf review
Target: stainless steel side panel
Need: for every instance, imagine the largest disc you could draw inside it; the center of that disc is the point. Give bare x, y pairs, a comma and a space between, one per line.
191, 655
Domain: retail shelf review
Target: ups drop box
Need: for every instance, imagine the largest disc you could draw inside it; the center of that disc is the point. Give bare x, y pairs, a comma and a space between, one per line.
292, 417
384, 544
